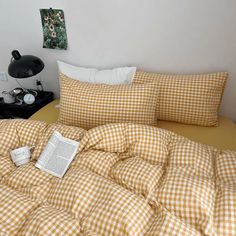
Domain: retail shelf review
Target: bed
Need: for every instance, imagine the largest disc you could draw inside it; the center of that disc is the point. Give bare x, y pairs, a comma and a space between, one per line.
126, 179
133, 174
222, 137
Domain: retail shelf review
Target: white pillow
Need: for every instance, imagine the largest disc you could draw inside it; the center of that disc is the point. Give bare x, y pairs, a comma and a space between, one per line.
122, 75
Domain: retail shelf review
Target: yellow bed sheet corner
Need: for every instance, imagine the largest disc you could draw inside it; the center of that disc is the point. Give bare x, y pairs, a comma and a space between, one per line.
222, 137
49, 113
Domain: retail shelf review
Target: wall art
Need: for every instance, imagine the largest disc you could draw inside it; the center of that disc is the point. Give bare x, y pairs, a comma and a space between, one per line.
54, 29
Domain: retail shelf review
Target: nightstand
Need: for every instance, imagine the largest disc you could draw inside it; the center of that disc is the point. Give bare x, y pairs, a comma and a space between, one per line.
11, 111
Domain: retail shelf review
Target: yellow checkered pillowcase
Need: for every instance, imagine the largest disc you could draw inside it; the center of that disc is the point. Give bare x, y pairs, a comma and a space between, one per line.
189, 99
89, 105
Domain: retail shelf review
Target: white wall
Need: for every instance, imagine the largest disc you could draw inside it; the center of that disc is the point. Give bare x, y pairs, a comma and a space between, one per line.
183, 36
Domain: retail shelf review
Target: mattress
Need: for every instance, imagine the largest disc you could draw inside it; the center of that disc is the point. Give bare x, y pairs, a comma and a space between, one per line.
222, 137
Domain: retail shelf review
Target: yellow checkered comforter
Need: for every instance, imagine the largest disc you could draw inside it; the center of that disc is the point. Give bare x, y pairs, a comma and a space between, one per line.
125, 180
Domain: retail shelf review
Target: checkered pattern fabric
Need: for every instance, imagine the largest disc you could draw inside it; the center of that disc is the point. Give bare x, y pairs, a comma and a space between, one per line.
6, 166
189, 99
166, 223
127, 179
226, 168
119, 213
38, 192
9, 139
88, 105
29, 131
14, 209
104, 139
148, 143
26, 176
49, 221
189, 197
97, 161
70, 132
2, 122
137, 175
79, 192
19, 133
225, 210
185, 153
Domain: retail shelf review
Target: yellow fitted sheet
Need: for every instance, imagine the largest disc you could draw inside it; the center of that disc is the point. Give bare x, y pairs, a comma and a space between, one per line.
222, 137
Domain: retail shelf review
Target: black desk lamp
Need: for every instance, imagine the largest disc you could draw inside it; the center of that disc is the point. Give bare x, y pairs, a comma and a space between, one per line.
24, 67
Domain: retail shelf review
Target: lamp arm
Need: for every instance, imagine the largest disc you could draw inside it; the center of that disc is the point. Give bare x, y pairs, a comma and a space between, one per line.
25, 90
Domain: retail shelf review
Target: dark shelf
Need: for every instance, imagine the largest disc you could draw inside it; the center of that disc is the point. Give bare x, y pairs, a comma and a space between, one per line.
10, 111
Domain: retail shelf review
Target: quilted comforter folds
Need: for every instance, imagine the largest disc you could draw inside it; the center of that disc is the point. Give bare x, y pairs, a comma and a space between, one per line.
126, 179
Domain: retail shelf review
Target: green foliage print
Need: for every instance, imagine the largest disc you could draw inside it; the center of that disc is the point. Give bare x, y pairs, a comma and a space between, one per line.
54, 29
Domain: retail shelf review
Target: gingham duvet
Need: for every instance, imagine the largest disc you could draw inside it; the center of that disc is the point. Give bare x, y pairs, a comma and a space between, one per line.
126, 179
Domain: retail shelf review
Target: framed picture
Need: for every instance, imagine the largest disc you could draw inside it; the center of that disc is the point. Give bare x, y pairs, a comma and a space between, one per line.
54, 29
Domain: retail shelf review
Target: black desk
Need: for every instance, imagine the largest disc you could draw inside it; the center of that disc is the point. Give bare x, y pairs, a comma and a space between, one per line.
11, 111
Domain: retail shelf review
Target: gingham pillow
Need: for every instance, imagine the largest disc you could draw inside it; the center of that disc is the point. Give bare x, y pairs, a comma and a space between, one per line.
189, 99
88, 105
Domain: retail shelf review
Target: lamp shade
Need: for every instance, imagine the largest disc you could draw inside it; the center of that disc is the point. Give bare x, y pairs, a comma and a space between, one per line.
24, 66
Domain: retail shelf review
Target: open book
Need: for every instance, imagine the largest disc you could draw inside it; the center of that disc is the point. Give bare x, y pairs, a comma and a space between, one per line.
57, 155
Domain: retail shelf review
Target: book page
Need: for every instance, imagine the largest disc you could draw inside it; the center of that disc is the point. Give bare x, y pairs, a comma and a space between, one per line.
57, 155
49, 149
62, 157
